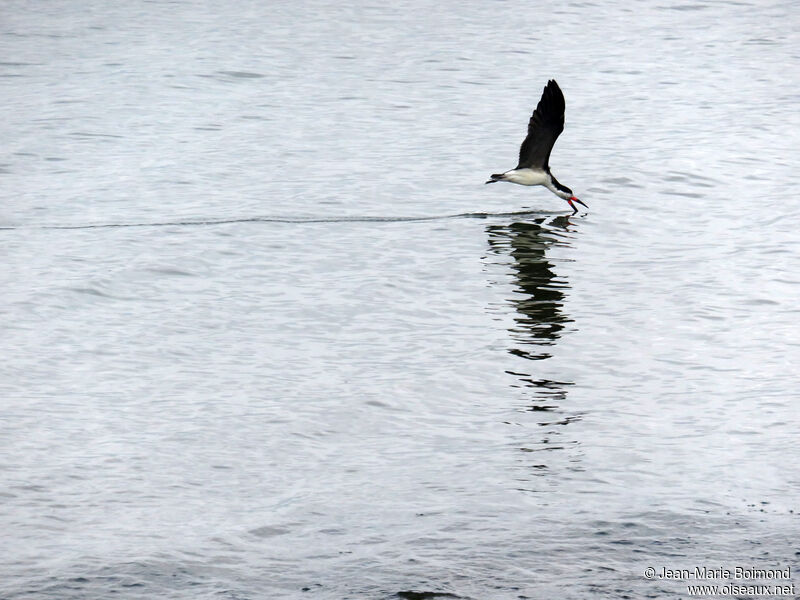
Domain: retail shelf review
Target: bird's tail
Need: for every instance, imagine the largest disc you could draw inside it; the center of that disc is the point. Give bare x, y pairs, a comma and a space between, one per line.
497, 177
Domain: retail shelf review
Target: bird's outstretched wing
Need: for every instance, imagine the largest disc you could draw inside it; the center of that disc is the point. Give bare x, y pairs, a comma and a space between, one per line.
546, 124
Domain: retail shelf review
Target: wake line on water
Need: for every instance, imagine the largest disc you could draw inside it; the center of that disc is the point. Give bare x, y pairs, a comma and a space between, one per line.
298, 220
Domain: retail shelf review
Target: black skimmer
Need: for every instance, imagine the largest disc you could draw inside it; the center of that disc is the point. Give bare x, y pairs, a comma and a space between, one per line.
546, 124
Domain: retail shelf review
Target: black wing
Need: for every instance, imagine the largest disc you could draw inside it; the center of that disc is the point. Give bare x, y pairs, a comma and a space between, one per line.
546, 124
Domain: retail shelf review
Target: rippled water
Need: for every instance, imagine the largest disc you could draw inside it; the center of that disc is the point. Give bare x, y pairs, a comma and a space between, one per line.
268, 335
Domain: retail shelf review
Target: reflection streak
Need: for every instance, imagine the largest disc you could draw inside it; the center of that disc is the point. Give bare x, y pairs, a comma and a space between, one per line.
540, 318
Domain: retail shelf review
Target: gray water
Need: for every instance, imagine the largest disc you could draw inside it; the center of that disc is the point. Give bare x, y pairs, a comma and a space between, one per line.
266, 334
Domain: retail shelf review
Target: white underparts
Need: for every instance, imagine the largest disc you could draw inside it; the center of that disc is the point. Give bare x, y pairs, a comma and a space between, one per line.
533, 177
527, 177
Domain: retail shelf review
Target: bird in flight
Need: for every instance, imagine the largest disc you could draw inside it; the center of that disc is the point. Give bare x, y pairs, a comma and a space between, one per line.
546, 124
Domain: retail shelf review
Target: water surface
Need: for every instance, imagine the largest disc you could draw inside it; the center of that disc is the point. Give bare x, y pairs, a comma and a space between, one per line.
268, 335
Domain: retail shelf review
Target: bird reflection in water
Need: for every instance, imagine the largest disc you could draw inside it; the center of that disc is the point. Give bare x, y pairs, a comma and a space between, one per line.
540, 319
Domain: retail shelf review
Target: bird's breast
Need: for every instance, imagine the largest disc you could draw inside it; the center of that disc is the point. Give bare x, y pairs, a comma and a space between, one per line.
527, 176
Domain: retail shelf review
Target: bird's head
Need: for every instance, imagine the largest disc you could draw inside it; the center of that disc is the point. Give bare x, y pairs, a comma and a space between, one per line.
564, 192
